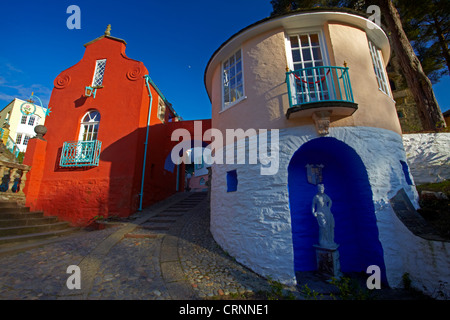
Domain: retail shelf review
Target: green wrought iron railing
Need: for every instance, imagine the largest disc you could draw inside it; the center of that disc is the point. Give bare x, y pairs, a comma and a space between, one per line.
81, 153
318, 84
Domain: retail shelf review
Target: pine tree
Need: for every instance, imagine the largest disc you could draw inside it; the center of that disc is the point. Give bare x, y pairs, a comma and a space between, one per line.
427, 25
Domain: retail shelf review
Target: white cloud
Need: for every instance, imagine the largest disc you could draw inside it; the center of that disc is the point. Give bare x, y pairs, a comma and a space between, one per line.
24, 92
12, 68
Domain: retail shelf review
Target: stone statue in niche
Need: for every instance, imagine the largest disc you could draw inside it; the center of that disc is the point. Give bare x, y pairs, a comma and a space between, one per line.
321, 209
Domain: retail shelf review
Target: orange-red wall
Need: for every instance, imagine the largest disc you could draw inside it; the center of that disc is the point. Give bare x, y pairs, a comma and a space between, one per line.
78, 194
112, 188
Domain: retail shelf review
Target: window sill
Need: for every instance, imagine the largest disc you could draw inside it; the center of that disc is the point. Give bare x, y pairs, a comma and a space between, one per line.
233, 104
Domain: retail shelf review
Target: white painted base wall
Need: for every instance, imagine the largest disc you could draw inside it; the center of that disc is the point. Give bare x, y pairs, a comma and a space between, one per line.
253, 224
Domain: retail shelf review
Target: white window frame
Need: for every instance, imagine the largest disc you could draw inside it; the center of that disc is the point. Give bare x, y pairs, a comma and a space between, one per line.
230, 104
31, 119
98, 77
323, 49
92, 127
19, 138
26, 139
304, 31
379, 69
24, 119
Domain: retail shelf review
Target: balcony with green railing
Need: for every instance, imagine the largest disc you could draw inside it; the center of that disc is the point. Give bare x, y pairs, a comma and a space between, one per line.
320, 88
80, 154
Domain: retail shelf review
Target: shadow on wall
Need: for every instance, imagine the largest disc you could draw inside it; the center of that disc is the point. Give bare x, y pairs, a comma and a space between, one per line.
126, 158
347, 184
113, 188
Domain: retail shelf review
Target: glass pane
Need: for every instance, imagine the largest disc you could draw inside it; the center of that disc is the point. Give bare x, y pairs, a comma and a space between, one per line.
306, 54
239, 92
296, 55
226, 95
314, 39
233, 83
294, 42
232, 60
232, 72
304, 41
317, 54
239, 79
297, 66
238, 66
238, 55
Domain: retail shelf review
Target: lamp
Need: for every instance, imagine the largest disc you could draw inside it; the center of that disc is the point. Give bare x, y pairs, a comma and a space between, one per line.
90, 91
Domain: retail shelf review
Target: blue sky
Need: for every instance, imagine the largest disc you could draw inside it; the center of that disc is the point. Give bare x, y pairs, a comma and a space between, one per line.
174, 39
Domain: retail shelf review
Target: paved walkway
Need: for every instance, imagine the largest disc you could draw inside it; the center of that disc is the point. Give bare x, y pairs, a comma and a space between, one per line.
165, 252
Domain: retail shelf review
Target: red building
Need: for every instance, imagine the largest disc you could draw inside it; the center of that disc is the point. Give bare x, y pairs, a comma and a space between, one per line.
107, 115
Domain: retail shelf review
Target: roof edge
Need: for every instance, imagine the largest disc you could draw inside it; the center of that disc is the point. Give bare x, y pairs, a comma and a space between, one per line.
105, 36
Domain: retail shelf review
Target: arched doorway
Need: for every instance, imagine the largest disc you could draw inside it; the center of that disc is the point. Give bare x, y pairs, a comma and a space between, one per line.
192, 173
347, 184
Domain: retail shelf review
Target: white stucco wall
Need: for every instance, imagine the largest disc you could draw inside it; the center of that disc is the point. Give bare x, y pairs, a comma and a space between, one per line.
253, 224
428, 156
427, 262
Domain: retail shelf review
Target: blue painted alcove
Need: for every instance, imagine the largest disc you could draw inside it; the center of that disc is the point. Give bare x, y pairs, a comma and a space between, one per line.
346, 182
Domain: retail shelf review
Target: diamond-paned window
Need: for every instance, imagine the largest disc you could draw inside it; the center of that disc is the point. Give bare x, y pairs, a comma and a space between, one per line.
99, 73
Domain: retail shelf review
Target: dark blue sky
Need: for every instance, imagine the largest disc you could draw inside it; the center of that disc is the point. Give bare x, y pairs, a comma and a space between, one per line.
174, 39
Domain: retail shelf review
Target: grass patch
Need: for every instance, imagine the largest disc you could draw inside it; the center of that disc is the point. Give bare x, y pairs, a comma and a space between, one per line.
436, 211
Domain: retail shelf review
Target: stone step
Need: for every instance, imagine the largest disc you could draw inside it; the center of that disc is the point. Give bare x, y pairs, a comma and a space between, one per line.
8, 204
155, 228
22, 230
27, 221
20, 215
163, 220
169, 214
8, 240
14, 209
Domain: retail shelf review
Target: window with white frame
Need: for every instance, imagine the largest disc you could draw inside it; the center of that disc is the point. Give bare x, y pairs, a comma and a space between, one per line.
24, 120
233, 80
379, 69
306, 51
19, 138
89, 126
99, 73
25, 140
31, 120
307, 56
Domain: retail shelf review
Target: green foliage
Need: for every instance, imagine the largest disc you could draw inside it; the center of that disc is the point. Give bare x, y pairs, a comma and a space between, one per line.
349, 289
276, 291
20, 157
311, 294
427, 25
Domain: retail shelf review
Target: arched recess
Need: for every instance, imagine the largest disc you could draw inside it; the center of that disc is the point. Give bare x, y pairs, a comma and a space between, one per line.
347, 184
